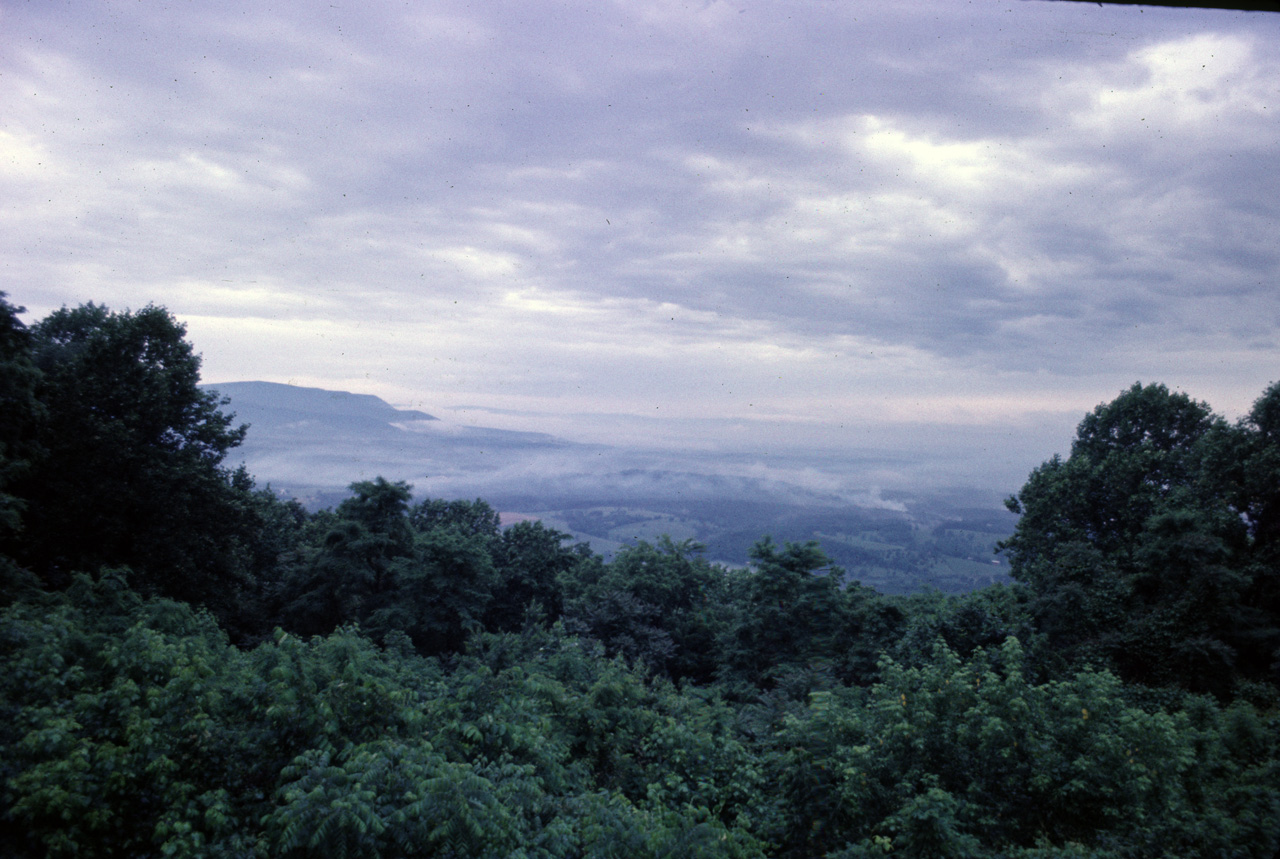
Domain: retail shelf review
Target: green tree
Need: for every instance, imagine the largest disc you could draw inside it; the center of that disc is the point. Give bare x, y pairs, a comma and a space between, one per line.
273, 546
425, 572
1129, 457
970, 757
981, 619
1131, 546
872, 624
531, 562
356, 570
443, 592
661, 604
473, 518
133, 469
20, 412
792, 616
1249, 471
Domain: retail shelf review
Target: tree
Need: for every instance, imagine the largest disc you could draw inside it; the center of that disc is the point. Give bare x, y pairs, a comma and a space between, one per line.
426, 572
1128, 458
979, 619
132, 472
1132, 546
793, 613
18, 406
474, 518
443, 592
273, 547
19, 413
660, 604
355, 571
530, 560
970, 757
1248, 468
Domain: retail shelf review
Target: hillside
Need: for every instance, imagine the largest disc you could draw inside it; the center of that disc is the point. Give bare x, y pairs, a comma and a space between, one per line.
198, 667
312, 443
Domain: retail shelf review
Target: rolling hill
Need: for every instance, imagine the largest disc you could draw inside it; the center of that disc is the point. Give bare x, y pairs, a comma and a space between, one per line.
312, 443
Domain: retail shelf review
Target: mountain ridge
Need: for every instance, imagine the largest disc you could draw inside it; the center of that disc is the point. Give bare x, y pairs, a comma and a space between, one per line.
283, 397
313, 443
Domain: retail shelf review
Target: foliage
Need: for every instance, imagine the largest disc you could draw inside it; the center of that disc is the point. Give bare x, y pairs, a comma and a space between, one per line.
1146, 552
792, 615
531, 563
661, 605
134, 727
130, 471
20, 413
201, 668
971, 758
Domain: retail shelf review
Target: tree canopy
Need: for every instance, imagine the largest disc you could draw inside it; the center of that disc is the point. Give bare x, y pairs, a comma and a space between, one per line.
196, 667
1148, 548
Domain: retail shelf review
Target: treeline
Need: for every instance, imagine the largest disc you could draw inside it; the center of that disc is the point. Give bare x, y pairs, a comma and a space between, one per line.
196, 667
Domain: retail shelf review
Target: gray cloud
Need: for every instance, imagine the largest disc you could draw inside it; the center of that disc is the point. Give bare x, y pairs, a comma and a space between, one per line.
864, 215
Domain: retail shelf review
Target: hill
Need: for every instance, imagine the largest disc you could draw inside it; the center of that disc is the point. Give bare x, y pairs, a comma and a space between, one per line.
312, 443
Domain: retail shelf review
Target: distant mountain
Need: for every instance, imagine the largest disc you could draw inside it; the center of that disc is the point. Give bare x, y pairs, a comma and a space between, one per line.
294, 415
273, 405
313, 443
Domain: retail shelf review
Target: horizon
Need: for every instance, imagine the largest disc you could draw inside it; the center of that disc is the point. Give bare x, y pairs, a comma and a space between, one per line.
445, 457
731, 229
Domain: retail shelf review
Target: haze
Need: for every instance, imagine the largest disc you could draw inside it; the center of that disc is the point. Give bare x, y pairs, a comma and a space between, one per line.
788, 234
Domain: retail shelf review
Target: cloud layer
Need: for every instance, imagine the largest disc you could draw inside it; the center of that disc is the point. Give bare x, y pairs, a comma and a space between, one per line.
759, 227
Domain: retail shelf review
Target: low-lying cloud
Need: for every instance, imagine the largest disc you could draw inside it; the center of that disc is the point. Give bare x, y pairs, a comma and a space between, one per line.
914, 221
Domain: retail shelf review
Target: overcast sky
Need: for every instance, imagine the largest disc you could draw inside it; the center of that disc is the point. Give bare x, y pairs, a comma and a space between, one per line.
730, 224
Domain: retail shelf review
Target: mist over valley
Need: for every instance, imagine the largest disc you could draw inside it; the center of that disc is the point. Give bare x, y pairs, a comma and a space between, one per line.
311, 444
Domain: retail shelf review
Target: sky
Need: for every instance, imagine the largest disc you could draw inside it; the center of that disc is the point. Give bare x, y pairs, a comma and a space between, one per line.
813, 227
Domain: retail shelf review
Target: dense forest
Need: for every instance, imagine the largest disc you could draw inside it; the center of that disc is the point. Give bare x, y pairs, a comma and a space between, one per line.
193, 666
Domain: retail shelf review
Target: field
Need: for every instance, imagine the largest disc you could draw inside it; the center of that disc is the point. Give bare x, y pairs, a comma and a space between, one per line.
930, 544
